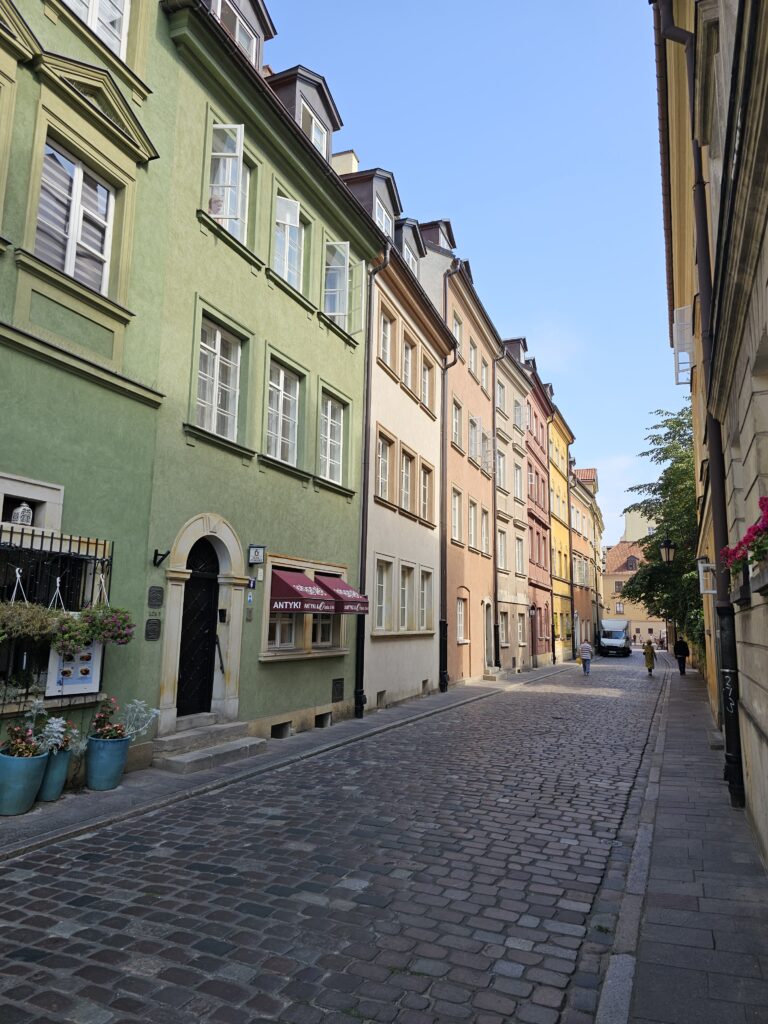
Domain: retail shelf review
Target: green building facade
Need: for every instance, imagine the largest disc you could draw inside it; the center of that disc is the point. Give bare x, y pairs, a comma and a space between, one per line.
183, 295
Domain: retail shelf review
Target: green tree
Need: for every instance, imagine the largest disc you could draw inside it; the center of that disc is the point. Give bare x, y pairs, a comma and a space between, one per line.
670, 591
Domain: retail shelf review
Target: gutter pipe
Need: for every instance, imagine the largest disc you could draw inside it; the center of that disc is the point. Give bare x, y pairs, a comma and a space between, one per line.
495, 529
570, 560
729, 678
360, 698
454, 268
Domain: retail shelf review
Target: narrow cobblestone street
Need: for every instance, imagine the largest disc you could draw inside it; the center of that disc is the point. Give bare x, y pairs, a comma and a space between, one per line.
446, 870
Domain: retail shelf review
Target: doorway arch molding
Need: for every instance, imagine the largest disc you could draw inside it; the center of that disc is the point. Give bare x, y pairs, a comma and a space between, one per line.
232, 584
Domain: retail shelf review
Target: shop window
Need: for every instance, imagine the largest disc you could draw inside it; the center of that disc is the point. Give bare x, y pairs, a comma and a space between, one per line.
282, 631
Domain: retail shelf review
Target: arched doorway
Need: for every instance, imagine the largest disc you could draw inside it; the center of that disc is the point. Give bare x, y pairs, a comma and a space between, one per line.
197, 650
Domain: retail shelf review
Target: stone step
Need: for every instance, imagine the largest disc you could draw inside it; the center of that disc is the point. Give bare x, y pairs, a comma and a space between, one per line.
199, 721
209, 757
491, 675
194, 739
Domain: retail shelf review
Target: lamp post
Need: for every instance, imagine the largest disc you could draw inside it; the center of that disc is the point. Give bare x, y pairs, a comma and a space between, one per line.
534, 638
667, 550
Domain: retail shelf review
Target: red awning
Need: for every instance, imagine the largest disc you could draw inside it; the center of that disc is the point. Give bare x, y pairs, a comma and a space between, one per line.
295, 592
348, 601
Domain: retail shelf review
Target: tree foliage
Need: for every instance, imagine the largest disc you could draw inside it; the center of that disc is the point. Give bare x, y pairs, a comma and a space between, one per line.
669, 591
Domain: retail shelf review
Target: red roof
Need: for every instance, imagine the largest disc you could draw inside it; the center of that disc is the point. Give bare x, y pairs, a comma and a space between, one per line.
586, 474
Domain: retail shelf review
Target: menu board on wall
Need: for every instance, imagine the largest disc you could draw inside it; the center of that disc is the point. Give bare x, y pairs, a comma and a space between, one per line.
70, 675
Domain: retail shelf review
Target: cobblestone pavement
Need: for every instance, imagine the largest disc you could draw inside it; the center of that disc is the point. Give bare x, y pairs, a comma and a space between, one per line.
443, 871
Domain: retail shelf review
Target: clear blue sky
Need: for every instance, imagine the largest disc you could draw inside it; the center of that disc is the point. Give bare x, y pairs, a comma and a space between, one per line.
533, 128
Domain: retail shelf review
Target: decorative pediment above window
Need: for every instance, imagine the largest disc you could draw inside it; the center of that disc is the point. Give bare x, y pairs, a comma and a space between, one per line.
15, 34
93, 90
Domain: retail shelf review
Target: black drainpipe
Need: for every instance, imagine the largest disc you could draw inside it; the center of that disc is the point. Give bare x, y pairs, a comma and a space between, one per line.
454, 268
360, 698
729, 678
570, 555
495, 529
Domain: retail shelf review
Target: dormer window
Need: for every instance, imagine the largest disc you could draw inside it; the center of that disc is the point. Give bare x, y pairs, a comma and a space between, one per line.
410, 258
233, 22
313, 127
444, 240
383, 218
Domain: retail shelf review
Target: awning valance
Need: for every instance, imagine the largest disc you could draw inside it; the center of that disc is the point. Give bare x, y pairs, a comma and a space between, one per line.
348, 601
295, 592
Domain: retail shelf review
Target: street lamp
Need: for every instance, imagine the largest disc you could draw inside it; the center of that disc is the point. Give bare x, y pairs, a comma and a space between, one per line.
667, 549
534, 638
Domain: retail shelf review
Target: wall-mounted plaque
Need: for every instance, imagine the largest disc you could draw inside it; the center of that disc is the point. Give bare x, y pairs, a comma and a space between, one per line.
155, 597
152, 629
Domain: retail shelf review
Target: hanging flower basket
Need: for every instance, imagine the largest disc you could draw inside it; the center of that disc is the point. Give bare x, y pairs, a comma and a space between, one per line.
107, 625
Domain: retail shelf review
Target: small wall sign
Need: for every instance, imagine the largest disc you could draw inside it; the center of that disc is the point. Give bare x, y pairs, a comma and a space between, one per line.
251, 582
155, 597
256, 554
152, 629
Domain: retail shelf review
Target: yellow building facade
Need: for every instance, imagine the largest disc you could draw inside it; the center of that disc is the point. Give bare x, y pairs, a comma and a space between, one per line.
560, 441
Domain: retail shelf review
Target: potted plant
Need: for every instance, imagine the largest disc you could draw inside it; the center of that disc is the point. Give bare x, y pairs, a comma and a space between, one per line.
23, 758
63, 742
107, 625
109, 740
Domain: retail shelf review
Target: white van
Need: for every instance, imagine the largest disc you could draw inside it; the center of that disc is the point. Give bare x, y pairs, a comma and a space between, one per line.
614, 638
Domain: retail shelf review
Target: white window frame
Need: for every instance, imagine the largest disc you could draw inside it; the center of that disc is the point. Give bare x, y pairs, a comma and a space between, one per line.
407, 462
386, 341
501, 396
456, 515
331, 449
279, 396
425, 600
410, 357
283, 621
501, 469
383, 218
518, 481
289, 227
472, 523
241, 25
406, 598
501, 540
207, 413
384, 449
319, 621
461, 607
425, 493
485, 531
457, 423
426, 382
504, 628
475, 449
457, 330
318, 133
237, 181
336, 282
383, 596
89, 11
76, 214
519, 555
411, 259
521, 628
472, 357
518, 413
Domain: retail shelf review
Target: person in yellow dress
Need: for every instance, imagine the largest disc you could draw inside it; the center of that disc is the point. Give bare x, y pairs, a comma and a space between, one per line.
650, 656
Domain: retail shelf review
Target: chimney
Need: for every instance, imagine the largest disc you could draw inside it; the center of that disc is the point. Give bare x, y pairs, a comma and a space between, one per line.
345, 162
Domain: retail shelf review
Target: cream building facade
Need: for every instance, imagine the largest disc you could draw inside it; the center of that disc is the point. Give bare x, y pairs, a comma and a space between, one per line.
512, 388
560, 440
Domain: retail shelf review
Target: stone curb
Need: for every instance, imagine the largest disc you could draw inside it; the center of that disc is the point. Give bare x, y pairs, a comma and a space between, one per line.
45, 839
618, 983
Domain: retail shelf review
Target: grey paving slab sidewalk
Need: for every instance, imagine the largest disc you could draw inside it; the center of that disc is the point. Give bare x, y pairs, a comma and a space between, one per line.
702, 956
150, 789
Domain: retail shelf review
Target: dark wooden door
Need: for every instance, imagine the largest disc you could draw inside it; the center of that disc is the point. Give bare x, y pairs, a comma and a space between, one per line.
198, 631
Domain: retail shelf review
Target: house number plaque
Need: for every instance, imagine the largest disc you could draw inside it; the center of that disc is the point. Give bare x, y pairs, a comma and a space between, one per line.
155, 597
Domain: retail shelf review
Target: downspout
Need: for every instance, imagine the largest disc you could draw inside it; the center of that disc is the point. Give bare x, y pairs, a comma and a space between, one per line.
729, 680
570, 560
360, 698
494, 538
454, 268
548, 552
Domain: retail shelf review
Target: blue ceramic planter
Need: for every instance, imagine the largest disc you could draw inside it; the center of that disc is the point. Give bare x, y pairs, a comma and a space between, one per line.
105, 762
20, 779
55, 775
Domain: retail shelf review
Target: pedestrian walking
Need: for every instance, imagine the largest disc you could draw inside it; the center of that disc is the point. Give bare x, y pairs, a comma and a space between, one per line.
585, 653
681, 653
650, 657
